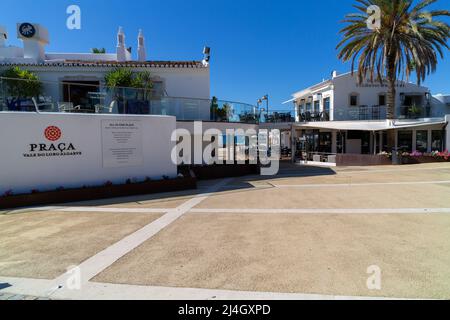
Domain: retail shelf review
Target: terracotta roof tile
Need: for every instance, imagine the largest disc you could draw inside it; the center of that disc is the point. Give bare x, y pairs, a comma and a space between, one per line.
130, 64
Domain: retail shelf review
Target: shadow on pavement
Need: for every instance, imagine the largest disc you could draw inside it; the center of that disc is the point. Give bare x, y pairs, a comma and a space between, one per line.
245, 183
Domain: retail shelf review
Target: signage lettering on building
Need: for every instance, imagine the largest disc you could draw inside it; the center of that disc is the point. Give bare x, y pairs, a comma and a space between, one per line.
53, 147
377, 85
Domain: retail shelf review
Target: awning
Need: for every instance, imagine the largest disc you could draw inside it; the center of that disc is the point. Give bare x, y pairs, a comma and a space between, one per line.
369, 125
289, 101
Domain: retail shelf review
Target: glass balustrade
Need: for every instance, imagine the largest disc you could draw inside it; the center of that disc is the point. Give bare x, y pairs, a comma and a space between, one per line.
71, 97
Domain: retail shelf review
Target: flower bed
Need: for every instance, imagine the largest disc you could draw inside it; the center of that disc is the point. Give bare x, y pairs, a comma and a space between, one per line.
108, 190
418, 157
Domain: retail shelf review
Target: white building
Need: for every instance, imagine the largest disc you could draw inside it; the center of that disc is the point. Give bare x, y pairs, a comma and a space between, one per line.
187, 79
341, 116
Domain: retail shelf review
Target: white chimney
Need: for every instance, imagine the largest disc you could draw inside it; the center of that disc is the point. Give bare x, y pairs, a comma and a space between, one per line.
142, 56
35, 38
121, 49
334, 74
3, 36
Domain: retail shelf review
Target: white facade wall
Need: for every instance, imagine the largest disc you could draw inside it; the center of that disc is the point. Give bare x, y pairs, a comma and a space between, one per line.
178, 82
21, 173
346, 84
341, 87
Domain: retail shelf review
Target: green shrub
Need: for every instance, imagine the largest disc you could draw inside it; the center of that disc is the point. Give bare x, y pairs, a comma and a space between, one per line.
22, 83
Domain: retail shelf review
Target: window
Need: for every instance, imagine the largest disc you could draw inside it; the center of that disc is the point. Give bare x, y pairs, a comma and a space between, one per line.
382, 100
412, 100
158, 89
354, 100
422, 141
302, 106
316, 106
325, 139
308, 107
405, 139
341, 142
326, 105
437, 140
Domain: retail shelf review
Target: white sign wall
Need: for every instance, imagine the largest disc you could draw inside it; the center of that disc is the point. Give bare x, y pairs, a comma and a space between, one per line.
47, 151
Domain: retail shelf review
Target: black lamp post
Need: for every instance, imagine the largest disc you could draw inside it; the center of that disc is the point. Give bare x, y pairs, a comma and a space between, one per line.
266, 98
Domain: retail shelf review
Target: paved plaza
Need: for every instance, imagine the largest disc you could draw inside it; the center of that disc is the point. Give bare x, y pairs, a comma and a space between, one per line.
306, 233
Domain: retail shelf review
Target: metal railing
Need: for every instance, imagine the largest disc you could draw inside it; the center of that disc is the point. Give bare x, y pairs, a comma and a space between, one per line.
70, 97
414, 112
380, 113
278, 116
314, 116
361, 113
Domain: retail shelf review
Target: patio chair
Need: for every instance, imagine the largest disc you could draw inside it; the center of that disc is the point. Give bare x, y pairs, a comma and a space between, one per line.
65, 106
46, 107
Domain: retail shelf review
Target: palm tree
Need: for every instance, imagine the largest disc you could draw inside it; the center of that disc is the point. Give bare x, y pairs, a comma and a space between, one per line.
98, 50
409, 40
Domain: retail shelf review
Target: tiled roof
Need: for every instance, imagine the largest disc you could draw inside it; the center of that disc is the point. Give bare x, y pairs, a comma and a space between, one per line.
129, 64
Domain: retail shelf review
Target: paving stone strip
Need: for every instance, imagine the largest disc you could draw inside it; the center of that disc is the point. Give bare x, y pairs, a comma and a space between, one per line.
17, 297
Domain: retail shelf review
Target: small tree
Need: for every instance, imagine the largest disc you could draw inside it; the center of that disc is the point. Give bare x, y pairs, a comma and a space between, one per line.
22, 83
214, 108
143, 80
123, 80
119, 77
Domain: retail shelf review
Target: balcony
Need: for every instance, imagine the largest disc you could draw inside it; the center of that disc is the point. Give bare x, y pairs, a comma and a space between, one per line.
314, 116
20, 96
279, 116
414, 112
361, 113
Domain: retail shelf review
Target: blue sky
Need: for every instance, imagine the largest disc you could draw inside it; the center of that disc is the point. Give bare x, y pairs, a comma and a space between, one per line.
258, 46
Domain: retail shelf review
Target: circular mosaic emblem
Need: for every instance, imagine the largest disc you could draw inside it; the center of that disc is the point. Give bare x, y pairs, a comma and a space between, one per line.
52, 133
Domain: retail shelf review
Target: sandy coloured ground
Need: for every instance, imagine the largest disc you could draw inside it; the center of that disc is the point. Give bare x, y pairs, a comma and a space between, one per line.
45, 244
303, 252
323, 254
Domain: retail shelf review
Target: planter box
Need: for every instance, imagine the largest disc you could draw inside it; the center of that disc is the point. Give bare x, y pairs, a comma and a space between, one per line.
423, 159
362, 160
224, 171
95, 193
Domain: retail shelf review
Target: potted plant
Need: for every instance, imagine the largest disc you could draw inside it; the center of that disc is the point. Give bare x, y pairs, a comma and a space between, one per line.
415, 111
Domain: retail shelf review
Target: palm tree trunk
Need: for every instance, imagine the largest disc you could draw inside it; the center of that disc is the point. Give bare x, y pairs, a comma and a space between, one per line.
391, 97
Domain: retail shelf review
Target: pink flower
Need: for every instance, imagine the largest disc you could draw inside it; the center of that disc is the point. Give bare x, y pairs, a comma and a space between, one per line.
8, 193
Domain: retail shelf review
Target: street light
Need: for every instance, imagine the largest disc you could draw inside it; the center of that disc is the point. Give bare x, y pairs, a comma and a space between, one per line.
258, 103
266, 98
